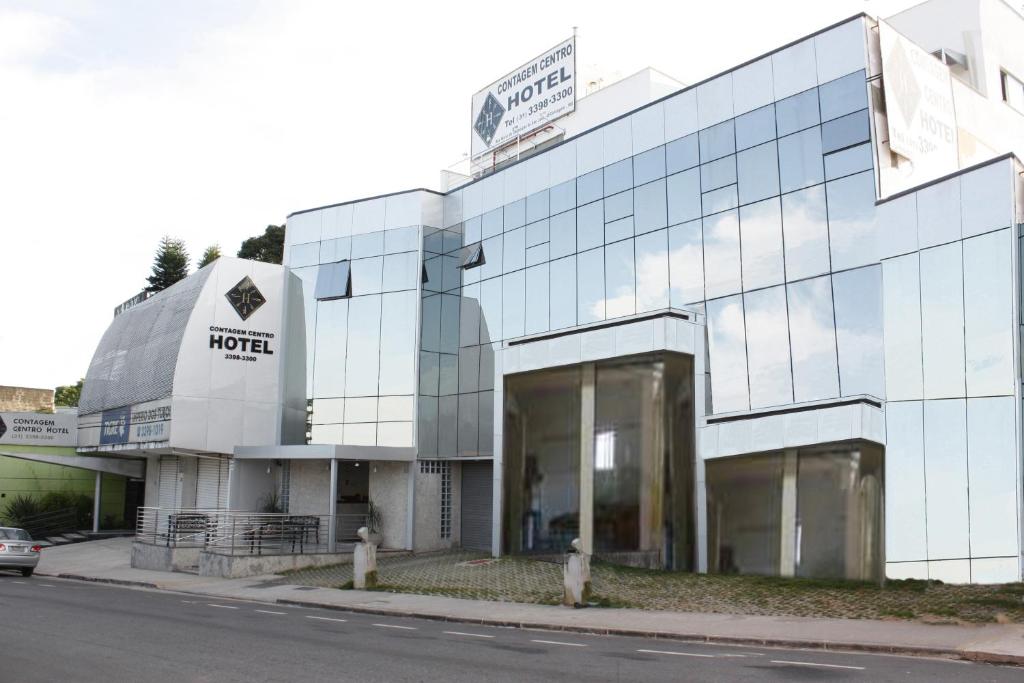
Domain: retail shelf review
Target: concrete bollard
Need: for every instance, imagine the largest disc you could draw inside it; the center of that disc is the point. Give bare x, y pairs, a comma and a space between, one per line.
364, 562
576, 576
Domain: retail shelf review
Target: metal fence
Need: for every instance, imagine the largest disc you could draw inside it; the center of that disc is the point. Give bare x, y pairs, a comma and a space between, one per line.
231, 532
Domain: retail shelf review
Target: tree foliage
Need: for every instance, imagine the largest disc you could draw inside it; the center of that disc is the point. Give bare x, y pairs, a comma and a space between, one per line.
169, 265
268, 247
211, 254
68, 396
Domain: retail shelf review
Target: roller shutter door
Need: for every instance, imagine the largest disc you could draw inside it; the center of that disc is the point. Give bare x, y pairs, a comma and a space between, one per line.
212, 484
477, 503
169, 484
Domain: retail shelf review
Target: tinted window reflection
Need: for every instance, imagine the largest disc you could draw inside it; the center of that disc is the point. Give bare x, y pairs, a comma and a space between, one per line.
797, 112
805, 230
858, 304
652, 291
620, 279
563, 197
618, 177
722, 254
563, 234
717, 141
589, 226
683, 196
649, 166
845, 131
681, 154
650, 207
800, 162
851, 221
590, 187
686, 263
813, 339
755, 127
768, 347
563, 293
727, 346
843, 96
590, 286
758, 171
718, 173
761, 242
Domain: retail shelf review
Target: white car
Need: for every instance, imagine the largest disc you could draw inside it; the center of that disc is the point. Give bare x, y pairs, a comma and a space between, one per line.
18, 551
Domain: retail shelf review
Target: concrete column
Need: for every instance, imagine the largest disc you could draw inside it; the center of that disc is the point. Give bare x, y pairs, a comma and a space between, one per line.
788, 522
96, 502
587, 459
332, 520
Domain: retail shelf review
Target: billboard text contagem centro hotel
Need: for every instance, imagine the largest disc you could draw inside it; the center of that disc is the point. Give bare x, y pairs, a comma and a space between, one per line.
768, 323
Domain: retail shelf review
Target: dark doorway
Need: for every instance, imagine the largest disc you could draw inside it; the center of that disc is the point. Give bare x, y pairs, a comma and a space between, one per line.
134, 498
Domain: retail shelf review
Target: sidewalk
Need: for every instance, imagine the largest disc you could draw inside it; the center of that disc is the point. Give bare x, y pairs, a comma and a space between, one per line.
108, 561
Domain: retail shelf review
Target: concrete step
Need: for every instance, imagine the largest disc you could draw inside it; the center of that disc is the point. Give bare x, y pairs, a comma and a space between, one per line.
57, 540
74, 536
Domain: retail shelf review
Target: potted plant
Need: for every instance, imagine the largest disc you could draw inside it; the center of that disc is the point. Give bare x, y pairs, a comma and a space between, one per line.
374, 523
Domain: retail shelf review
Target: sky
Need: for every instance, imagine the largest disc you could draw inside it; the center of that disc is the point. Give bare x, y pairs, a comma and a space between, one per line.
125, 120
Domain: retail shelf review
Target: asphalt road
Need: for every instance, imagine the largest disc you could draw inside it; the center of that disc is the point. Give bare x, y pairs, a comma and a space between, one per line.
54, 630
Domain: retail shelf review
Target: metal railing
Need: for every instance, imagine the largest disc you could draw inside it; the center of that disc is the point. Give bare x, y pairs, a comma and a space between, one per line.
231, 532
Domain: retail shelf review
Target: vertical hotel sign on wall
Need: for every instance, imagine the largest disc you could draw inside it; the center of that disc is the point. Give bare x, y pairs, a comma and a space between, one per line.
919, 105
526, 99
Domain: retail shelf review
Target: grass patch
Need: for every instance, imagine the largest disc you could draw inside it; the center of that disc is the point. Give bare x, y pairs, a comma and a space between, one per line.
899, 613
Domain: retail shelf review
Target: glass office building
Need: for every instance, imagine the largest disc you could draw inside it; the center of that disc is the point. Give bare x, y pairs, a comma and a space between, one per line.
701, 336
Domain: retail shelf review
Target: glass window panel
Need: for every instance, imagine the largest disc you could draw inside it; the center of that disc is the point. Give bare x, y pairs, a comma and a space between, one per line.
487, 366
513, 301
987, 202
848, 161
722, 199
449, 374
771, 381
333, 281
618, 230
330, 346
988, 304
618, 177
563, 234
590, 187
513, 215
905, 529
430, 373
945, 468
901, 296
942, 310
336, 250
728, 350
590, 287
490, 311
620, 279
649, 165
469, 316
515, 250
537, 206
563, 197
813, 338
398, 344
761, 244
447, 426
843, 96
401, 271
991, 456
367, 274
722, 254
486, 419
755, 127
681, 154
537, 295
650, 207
845, 131
363, 361
858, 302
744, 513
897, 226
469, 425
469, 369
304, 255
589, 225
430, 333
686, 263
401, 239
618, 206
452, 241
851, 221
938, 213
805, 233
450, 323
718, 173
683, 196
758, 173
797, 112
537, 233
652, 292
304, 227
370, 244
493, 222
471, 230
800, 161
717, 141
493, 257
537, 254
563, 293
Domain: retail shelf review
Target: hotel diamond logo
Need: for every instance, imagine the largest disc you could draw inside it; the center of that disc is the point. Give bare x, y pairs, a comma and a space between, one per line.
245, 298
3, 428
490, 116
904, 85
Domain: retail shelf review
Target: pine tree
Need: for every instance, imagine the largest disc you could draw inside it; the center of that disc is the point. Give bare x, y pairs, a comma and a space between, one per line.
211, 254
169, 266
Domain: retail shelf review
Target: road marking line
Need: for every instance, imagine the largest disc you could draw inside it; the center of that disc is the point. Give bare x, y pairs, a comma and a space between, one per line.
21, 582
558, 642
46, 585
190, 602
210, 604
404, 628
267, 611
309, 616
471, 635
827, 666
678, 654
732, 655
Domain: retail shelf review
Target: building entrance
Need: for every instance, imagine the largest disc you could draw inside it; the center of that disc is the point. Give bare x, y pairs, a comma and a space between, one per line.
353, 503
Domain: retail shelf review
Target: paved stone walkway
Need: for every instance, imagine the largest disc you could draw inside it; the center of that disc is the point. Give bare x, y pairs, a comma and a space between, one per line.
476, 576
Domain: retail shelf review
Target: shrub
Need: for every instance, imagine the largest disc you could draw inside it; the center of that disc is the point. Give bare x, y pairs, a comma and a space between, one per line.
21, 507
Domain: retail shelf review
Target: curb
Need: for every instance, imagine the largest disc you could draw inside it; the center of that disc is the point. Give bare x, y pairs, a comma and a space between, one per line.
115, 582
916, 651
